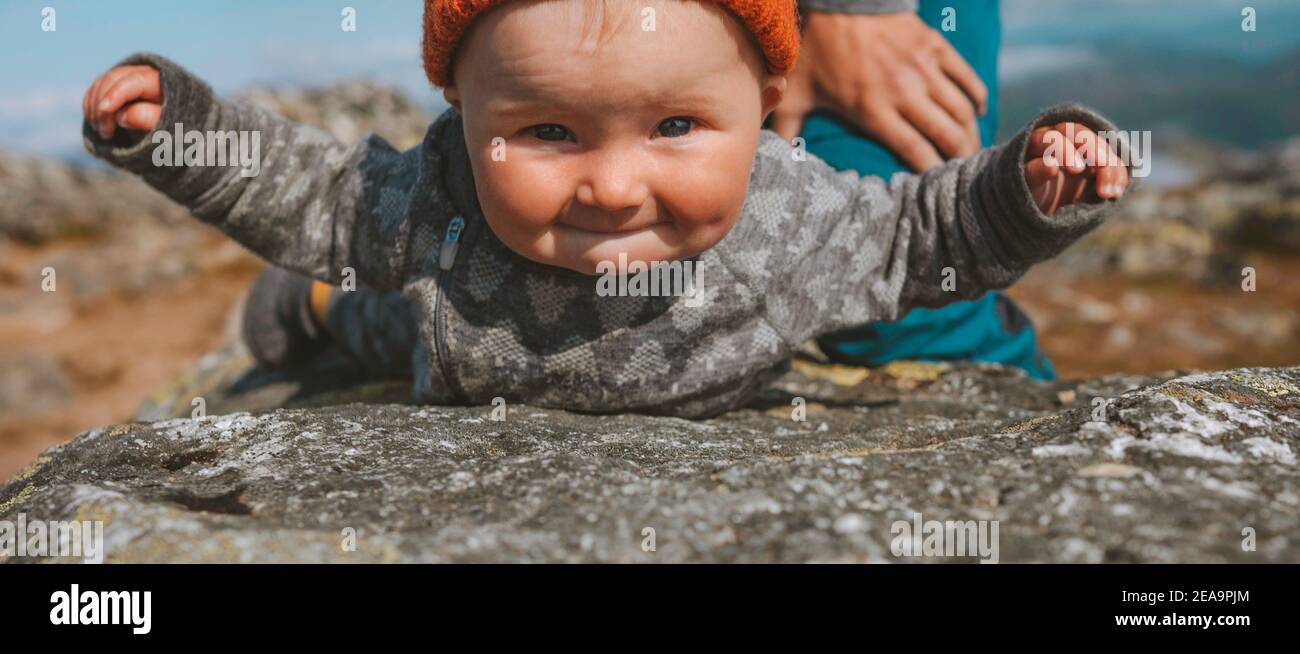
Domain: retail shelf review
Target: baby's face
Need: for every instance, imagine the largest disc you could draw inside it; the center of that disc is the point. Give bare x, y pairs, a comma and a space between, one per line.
592, 136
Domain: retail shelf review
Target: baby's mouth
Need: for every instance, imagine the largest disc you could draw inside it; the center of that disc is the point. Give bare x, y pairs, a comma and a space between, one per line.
613, 225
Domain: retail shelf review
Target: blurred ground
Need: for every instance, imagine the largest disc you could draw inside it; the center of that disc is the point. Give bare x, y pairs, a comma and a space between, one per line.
1095, 326
68, 363
142, 290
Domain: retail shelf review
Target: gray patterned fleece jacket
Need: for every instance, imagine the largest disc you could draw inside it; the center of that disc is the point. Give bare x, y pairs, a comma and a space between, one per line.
814, 250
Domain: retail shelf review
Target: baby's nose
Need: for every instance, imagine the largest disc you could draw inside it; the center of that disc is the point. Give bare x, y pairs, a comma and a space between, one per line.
613, 184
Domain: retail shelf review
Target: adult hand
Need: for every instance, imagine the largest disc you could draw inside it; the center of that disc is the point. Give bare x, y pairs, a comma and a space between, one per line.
893, 77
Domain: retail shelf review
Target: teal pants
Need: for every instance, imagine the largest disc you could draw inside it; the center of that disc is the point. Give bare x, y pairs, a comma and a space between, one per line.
990, 328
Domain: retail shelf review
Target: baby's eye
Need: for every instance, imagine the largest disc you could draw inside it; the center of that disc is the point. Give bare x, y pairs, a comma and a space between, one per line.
675, 127
550, 132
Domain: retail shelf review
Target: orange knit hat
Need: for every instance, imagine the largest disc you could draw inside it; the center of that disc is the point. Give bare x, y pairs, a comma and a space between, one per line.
774, 24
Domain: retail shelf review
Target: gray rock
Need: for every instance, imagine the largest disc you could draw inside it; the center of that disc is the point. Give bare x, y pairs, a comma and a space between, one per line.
1179, 468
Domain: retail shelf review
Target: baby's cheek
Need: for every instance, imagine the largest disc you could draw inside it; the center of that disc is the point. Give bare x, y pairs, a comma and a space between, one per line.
519, 193
707, 195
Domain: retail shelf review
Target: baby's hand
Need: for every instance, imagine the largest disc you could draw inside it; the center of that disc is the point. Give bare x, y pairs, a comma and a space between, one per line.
127, 96
1067, 163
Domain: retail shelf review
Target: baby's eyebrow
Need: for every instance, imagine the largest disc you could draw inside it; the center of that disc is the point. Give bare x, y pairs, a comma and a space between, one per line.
514, 107
507, 104
685, 101
672, 103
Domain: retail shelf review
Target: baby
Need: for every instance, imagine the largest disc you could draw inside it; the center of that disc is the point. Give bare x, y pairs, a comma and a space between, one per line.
586, 136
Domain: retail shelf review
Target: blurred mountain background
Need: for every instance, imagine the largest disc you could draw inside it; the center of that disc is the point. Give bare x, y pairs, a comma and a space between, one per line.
144, 291
1183, 69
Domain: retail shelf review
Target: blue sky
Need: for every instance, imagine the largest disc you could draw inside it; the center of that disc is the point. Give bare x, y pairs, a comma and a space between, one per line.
230, 43
236, 43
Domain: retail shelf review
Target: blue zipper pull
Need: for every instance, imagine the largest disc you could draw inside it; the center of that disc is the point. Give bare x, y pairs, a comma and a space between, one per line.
451, 243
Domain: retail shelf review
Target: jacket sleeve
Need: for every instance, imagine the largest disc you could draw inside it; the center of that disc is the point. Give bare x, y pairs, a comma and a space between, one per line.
866, 249
857, 6
289, 192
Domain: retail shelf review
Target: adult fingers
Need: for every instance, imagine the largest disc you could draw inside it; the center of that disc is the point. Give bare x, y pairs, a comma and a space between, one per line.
955, 66
956, 104
937, 126
904, 140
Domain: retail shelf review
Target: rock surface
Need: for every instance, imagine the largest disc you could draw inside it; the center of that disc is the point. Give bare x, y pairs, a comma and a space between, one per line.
1179, 468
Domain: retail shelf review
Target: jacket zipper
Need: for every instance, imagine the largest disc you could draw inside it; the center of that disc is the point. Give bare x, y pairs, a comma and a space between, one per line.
451, 243
446, 260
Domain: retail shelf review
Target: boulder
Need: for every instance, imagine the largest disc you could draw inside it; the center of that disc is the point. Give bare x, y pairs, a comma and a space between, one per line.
1180, 468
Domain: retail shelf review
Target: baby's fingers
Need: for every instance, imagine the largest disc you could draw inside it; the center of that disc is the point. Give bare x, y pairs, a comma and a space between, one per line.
119, 87
1038, 142
1112, 180
1110, 172
139, 116
1040, 171
88, 103
1054, 146
1044, 180
141, 83
98, 119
